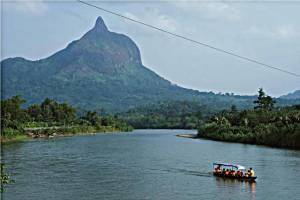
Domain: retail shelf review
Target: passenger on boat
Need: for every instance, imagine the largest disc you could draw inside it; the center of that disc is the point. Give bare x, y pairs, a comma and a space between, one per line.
233, 173
248, 173
239, 173
218, 169
227, 172
223, 171
252, 174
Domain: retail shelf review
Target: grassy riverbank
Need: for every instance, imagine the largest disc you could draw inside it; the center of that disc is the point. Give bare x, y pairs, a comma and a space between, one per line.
51, 119
264, 125
50, 132
14, 138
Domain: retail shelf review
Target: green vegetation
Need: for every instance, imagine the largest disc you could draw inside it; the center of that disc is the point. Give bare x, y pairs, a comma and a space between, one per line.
167, 115
103, 70
186, 114
51, 118
5, 178
265, 124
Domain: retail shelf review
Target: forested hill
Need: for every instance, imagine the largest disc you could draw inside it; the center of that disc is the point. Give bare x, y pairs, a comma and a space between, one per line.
293, 95
102, 69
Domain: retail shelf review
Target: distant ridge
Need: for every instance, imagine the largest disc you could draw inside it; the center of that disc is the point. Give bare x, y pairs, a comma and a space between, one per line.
293, 95
102, 69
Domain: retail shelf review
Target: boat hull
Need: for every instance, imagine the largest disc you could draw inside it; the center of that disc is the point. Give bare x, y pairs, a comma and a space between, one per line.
252, 179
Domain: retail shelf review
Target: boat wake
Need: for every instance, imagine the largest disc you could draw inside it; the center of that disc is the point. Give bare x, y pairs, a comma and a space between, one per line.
190, 172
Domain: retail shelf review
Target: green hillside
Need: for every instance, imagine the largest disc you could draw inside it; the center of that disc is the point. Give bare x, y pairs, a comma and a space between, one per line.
101, 70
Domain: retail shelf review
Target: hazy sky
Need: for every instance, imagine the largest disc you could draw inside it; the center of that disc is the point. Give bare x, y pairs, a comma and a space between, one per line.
266, 31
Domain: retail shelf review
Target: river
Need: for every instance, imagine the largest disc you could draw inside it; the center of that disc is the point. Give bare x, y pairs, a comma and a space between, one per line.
145, 164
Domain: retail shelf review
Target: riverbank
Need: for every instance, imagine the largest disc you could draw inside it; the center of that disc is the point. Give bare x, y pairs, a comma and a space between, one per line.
56, 131
264, 125
52, 119
193, 136
278, 127
289, 143
197, 136
17, 138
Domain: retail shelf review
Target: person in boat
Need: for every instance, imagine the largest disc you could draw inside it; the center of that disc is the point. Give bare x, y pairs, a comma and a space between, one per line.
223, 171
252, 174
241, 174
218, 169
247, 174
233, 173
227, 172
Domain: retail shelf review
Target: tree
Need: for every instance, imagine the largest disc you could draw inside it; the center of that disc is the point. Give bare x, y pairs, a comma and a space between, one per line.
93, 117
233, 109
67, 113
47, 109
199, 118
264, 102
52, 111
35, 112
12, 113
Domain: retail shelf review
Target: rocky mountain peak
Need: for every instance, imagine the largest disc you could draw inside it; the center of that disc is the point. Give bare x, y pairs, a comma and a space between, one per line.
100, 25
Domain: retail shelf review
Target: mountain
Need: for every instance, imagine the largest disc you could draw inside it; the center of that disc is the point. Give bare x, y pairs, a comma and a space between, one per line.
102, 69
293, 95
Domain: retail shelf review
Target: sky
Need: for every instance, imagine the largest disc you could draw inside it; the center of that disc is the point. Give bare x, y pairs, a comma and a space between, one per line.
267, 31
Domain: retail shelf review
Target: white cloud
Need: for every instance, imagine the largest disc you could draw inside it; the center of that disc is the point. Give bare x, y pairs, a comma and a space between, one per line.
166, 22
35, 7
278, 32
211, 10
286, 32
156, 18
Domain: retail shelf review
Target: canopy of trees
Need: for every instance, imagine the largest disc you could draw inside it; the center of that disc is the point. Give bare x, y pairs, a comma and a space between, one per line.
264, 102
14, 118
264, 124
169, 115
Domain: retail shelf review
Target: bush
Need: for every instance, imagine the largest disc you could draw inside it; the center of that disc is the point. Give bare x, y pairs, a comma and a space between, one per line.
279, 127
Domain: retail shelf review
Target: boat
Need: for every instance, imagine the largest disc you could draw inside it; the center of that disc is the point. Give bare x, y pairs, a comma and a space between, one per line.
232, 167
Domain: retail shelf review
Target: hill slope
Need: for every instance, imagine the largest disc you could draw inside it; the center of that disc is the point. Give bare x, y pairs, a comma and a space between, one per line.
102, 69
293, 95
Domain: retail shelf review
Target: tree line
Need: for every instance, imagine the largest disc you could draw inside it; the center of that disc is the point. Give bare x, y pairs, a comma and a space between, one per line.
15, 118
167, 115
264, 124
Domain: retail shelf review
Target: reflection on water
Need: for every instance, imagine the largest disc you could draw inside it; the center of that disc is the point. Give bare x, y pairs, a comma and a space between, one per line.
248, 186
145, 164
251, 187
236, 185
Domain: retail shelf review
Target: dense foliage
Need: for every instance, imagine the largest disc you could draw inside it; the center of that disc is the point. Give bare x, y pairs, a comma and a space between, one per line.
5, 178
167, 115
51, 116
265, 125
